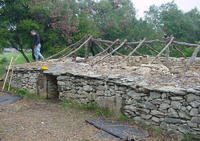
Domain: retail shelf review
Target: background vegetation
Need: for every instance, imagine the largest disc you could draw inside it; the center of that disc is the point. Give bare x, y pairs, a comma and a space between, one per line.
61, 22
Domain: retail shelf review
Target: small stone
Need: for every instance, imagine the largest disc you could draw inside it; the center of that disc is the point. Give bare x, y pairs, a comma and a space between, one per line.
176, 105
155, 95
195, 120
194, 112
157, 113
87, 88
184, 129
173, 120
155, 119
195, 104
164, 106
193, 125
146, 117
135, 95
149, 105
172, 113
176, 98
192, 97
183, 115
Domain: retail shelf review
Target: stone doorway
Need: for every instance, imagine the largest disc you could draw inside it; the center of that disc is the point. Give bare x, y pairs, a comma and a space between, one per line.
47, 86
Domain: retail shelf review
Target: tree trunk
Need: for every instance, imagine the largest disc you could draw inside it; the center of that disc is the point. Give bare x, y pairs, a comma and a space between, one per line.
24, 55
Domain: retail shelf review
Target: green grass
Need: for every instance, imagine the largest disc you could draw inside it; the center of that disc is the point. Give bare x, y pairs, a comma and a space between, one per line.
93, 107
5, 60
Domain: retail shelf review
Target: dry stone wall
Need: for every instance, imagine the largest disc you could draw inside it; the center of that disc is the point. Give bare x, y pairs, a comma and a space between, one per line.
170, 108
25, 79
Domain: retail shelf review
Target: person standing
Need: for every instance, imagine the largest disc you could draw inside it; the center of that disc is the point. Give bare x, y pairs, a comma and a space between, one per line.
37, 46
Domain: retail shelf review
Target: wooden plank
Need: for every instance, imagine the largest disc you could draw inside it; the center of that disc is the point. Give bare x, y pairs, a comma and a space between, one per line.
167, 46
74, 51
121, 45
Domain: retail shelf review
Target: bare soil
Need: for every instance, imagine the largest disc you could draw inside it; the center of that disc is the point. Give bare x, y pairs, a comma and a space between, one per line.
51, 121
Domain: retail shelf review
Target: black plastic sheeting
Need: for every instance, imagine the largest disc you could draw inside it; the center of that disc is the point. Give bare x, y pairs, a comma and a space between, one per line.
9, 99
118, 129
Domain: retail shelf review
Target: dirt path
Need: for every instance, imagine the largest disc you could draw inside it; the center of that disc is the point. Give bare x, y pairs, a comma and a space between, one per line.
46, 121
51, 121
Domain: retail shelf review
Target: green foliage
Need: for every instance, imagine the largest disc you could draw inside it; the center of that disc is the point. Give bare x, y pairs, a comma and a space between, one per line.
190, 137
61, 23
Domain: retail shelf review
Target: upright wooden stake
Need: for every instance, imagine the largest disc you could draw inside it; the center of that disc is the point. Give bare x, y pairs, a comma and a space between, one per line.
7, 74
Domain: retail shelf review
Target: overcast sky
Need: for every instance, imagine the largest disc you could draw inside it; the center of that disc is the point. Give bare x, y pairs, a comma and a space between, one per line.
185, 5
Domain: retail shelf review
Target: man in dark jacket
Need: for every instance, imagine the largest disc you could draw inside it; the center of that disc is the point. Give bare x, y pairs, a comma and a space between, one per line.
37, 46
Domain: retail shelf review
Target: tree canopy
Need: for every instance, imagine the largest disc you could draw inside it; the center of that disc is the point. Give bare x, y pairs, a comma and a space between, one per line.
61, 22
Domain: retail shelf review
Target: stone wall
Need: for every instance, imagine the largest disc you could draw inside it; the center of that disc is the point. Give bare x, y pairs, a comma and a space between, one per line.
170, 108
25, 79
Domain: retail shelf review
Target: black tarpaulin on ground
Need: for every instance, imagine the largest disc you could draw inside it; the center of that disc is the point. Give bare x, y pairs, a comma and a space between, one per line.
9, 99
118, 129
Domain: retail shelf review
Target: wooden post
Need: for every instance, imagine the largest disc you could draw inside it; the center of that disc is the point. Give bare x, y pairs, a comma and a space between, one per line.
7, 74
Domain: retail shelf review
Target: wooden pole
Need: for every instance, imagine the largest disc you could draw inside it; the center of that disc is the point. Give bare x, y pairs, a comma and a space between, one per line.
108, 48
179, 51
135, 49
11, 76
77, 43
78, 48
7, 74
167, 46
121, 45
192, 59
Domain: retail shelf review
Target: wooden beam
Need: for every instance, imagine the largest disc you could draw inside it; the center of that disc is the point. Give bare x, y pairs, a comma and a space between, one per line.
167, 46
192, 59
74, 51
149, 42
121, 45
135, 49
4, 83
60, 52
179, 51
108, 48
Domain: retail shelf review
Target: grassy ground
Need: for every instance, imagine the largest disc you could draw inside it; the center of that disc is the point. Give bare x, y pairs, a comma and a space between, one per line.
6, 57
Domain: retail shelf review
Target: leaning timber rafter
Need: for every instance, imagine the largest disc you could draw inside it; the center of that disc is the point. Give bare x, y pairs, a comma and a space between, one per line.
82, 45
135, 49
62, 51
108, 48
164, 49
121, 45
192, 59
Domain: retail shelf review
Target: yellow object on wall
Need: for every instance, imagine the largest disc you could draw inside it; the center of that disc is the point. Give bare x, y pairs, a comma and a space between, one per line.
44, 68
